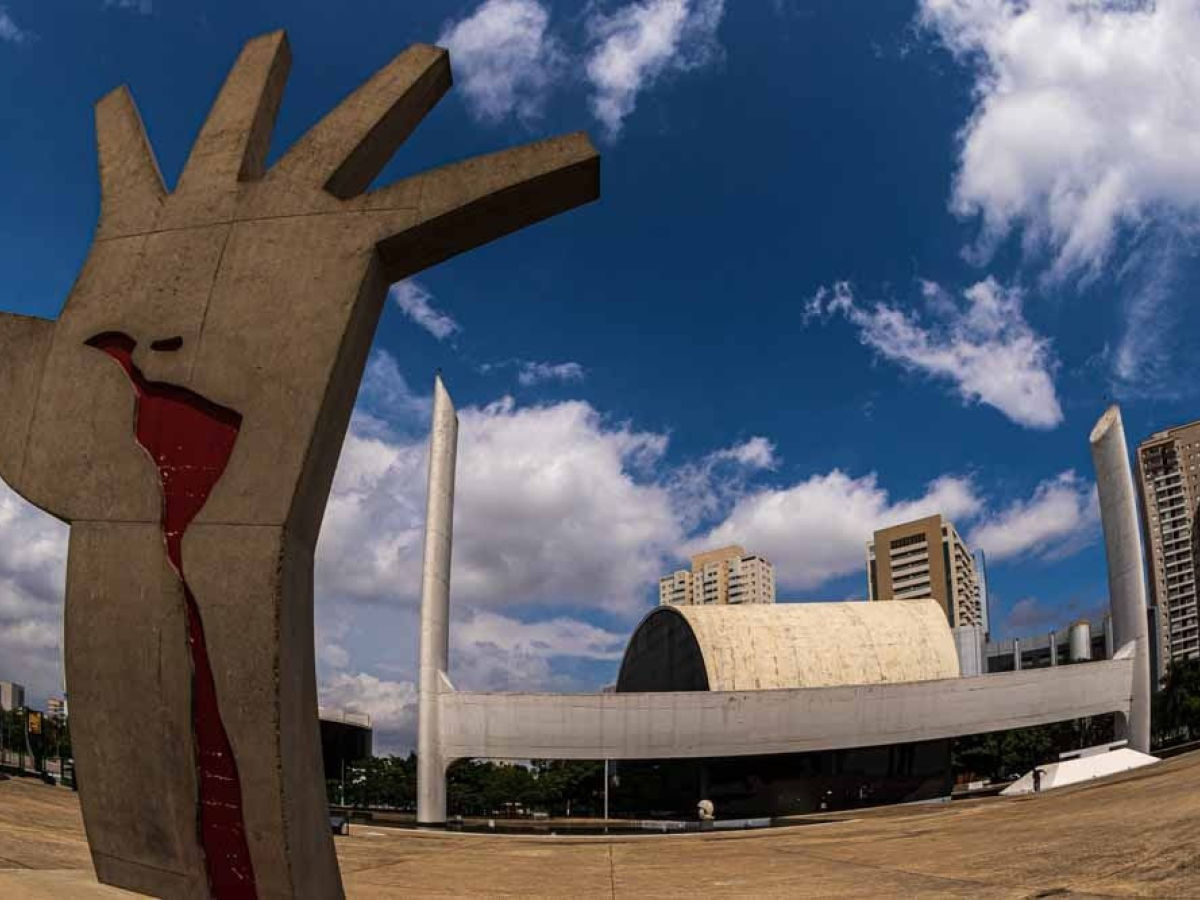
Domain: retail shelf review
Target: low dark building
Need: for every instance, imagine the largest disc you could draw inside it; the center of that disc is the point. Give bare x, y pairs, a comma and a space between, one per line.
346, 738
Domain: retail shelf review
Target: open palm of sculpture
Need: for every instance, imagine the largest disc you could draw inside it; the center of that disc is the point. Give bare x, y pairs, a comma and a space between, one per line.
238, 310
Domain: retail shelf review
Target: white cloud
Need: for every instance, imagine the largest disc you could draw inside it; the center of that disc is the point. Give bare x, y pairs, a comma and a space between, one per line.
985, 346
505, 60
817, 529
10, 31
710, 486
1085, 119
636, 44
1061, 517
414, 300
33, 554
548, 638
552, 506
392, 705
532, 373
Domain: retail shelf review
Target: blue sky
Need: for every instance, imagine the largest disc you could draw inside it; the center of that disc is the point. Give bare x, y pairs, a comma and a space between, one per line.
852, 262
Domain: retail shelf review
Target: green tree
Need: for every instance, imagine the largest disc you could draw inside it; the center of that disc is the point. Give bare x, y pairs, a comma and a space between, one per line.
1175, 716
999, 754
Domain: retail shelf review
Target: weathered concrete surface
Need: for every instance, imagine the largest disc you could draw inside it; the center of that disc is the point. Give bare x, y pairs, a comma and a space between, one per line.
1126, 565
272, 281
731, 723
435, 606
790, 645
1131, 835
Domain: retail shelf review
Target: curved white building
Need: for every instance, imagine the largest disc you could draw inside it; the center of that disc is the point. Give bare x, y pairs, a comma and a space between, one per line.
788, 645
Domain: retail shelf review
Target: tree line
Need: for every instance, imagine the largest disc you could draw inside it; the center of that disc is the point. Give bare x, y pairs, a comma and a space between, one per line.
1174, 719
478, 787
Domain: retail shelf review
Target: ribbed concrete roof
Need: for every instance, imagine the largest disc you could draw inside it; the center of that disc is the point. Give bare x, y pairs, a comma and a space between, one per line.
788, 645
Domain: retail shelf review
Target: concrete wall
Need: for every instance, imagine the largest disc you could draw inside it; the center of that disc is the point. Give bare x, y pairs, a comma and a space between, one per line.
789, 645
740, 723
969, 642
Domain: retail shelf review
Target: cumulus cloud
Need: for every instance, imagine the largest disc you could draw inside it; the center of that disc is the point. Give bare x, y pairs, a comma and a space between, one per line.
553, 505
1084, 120
636, 44
392, 706
984, 346
488, 651
9, 30
505, 59
416, 303
817, 529
1061, 517
546, 639
33, 554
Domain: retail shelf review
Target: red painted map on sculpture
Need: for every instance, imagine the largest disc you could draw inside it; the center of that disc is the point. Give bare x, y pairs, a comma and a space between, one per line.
190, 440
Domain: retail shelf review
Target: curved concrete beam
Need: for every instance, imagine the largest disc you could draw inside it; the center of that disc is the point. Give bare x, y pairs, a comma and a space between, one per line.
1126, 568
745, 723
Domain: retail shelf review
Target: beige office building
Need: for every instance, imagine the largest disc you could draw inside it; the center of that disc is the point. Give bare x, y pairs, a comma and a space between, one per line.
1168, 465
925, 558
727, 575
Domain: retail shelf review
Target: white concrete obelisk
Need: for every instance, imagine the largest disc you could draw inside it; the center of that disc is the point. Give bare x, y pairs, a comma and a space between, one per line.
1123, 548
435, 606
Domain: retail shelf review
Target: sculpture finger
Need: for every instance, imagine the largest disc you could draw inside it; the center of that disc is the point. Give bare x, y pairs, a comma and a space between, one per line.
469, 203
131, 186
232, 145
24, 343
348, 148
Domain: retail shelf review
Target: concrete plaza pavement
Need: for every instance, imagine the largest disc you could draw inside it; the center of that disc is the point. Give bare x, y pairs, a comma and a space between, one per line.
1136, 834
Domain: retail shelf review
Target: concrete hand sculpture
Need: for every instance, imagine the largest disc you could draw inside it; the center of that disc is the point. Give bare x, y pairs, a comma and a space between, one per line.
238, 310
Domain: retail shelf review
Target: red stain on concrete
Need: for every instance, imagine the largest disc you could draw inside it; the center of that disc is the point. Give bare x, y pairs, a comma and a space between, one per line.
190, 440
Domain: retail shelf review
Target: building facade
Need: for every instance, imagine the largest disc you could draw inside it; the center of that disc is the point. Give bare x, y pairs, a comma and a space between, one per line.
346, 739
12, 695
787, 645
926, 558
1168, 469
725, 576
56, 708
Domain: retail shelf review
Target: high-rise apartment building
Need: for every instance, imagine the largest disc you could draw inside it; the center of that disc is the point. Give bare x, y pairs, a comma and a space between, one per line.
727, 575
12, 695
925, 558
1168, 464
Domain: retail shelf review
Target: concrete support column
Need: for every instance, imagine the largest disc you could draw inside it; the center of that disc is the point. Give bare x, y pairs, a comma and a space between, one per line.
435, 607
1123, 549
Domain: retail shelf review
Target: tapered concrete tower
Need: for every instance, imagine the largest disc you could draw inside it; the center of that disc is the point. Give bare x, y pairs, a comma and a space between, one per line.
435, 607
1123, 548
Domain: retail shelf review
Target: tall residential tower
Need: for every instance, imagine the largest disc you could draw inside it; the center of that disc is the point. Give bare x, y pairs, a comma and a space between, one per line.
925, 558
1168, 490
